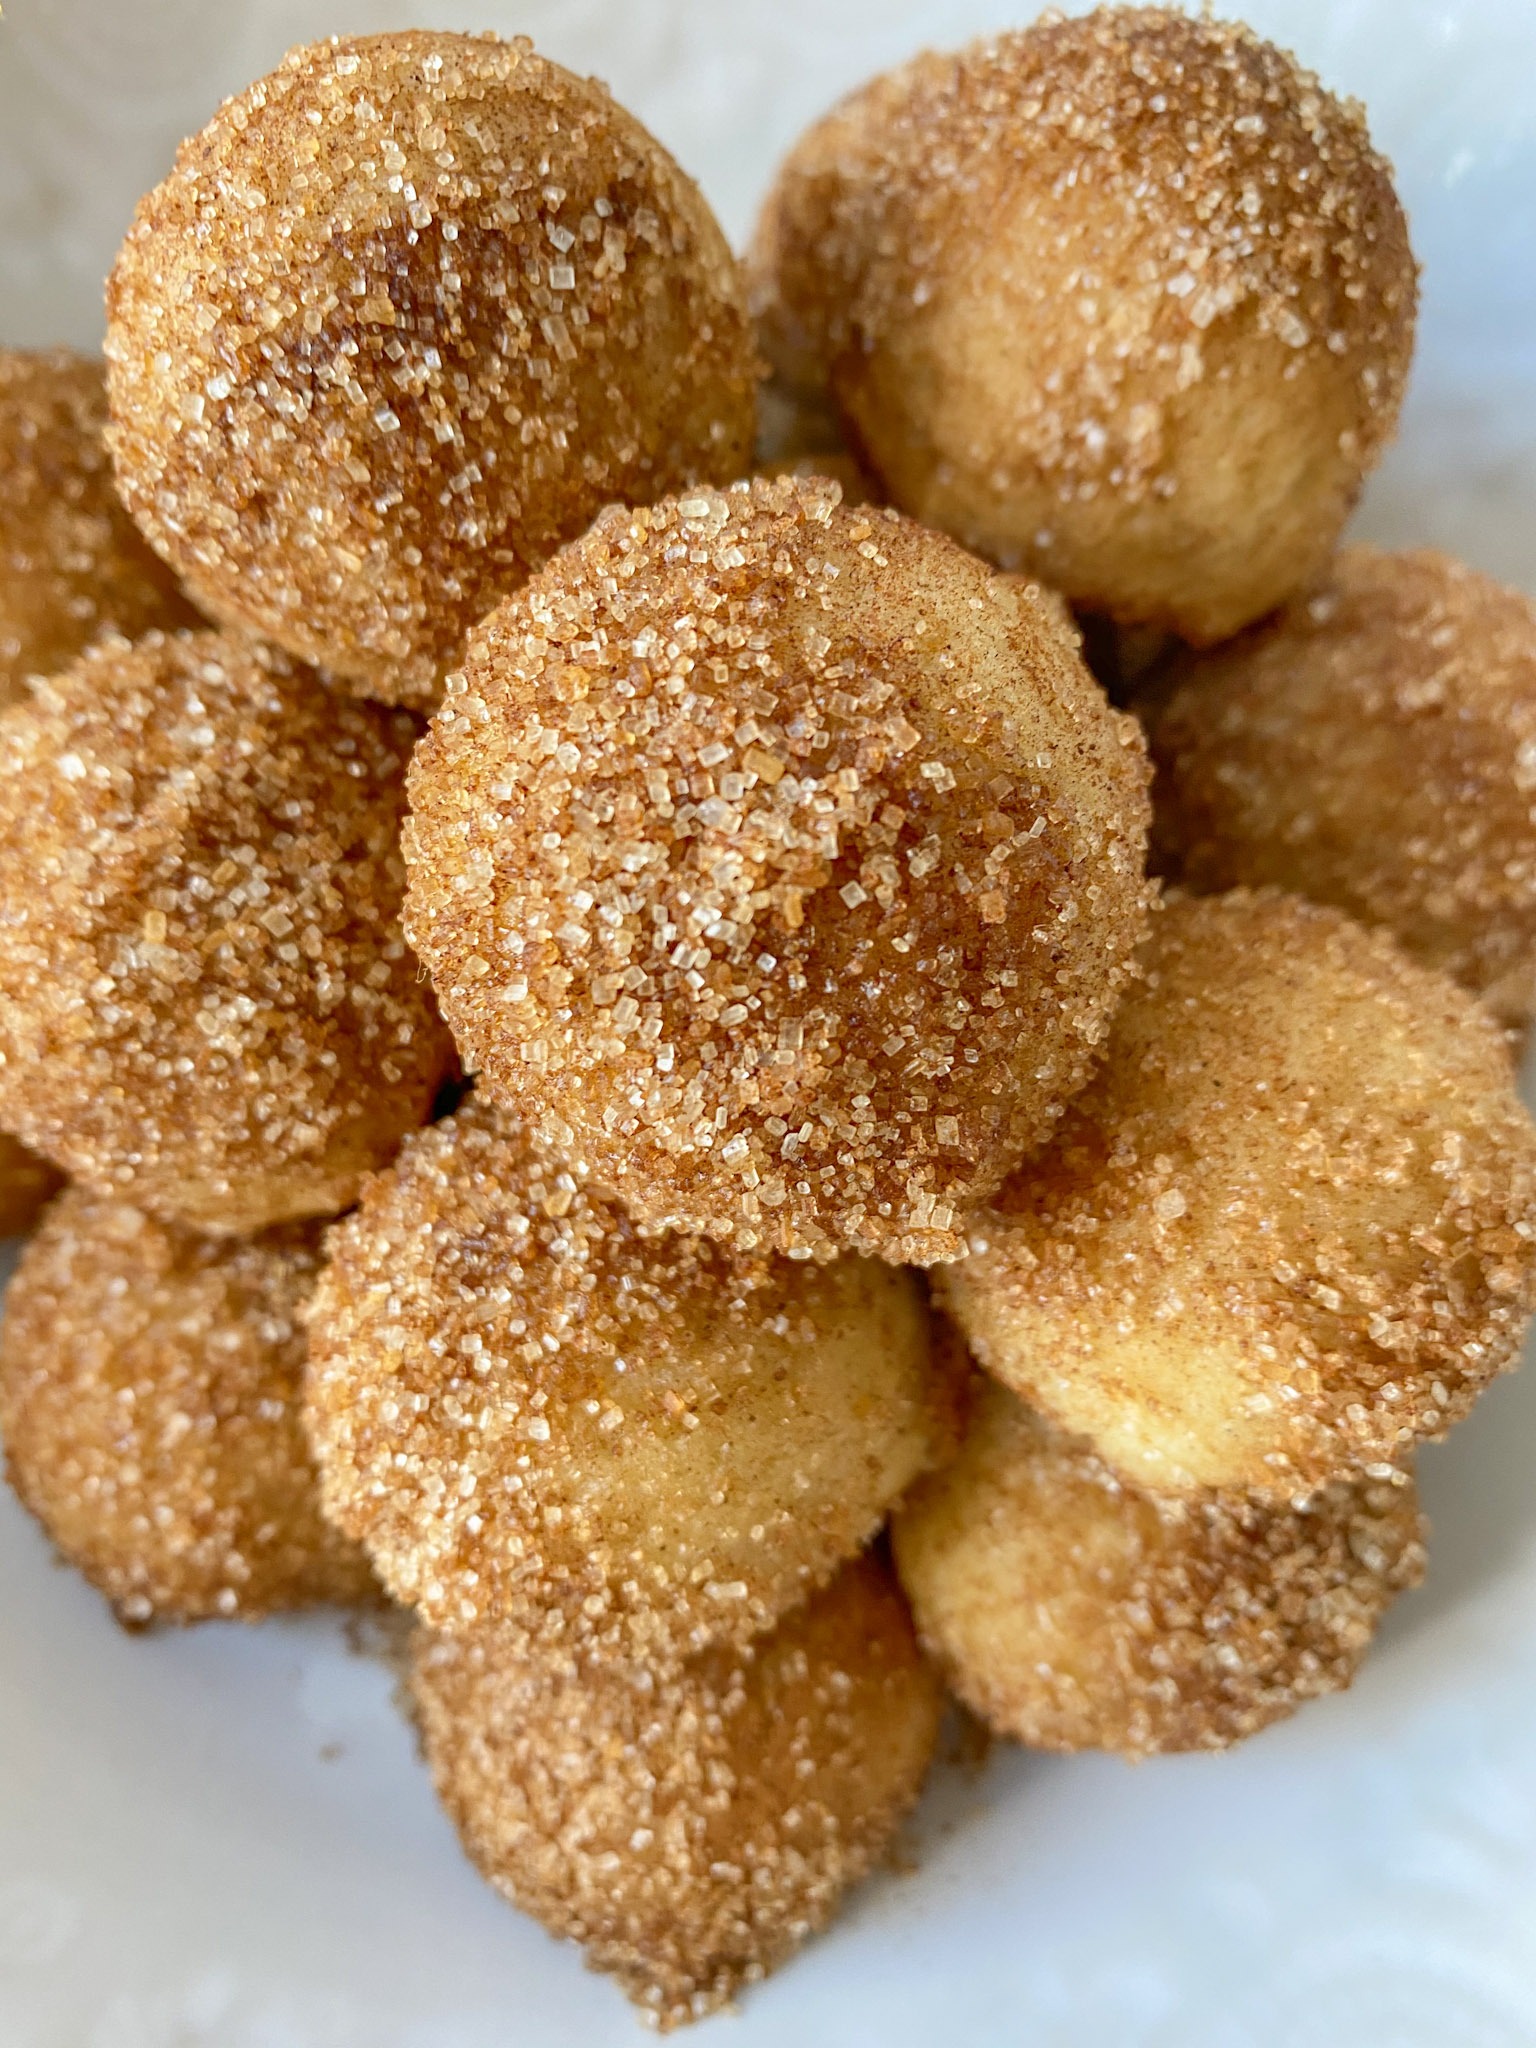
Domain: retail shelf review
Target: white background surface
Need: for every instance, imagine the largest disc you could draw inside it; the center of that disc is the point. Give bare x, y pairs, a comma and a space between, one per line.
222, 1839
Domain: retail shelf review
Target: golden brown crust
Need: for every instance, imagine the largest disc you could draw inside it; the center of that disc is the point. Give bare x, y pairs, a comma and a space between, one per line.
206, 1002
781, 864
149, 1399
606, 1445
27, 1184
1374, 746
690, 1831
1073, 1611
72, 563
1289, 1228
1125, 300
405, 314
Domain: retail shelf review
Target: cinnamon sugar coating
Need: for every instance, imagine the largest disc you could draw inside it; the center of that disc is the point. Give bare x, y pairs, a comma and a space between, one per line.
839, 467
782, 865
206, 1002
404, 315
1287, 1231
1124, 300
606, 1445
72, 563
690, 1829
149, 1398
1374, 746
1072, 1610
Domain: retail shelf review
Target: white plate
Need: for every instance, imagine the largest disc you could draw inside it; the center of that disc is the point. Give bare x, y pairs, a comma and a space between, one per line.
223, 1839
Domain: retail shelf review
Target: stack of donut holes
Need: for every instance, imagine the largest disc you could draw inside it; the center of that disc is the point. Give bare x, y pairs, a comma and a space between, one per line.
578, 923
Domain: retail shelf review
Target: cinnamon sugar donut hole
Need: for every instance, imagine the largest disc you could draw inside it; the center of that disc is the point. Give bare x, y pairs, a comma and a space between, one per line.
206, 1003
782, 865
149, 1397
1072, 1610
72, 563
689, 1829
1373, 746
1289, 1228
1124, 300
609, 1446
402, 318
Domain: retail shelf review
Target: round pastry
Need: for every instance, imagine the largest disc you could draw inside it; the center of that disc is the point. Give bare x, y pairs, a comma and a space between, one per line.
1124, 300
603, 1444
1072, 1610
692, 1829
1373, 746
72, 563
782, 865
404, 315
1288, 1230
206, 1002
149, 1398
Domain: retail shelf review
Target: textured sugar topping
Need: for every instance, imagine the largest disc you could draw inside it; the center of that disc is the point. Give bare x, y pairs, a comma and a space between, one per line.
1303, 1167
206, 1000
149, 1391
609, 1445
72, 563
1159, 176
403, 317
782, 863
1372, 746
692, 1828
1153, 1623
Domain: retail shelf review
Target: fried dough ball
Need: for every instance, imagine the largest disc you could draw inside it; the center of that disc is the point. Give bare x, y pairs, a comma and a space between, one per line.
692, 1829
783, 865
401, 319
1073, 1611
1125, 300
206, 1003
72, 563
1375, 747
149, 1400
1287, 1230
606, 1445
27, 1183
